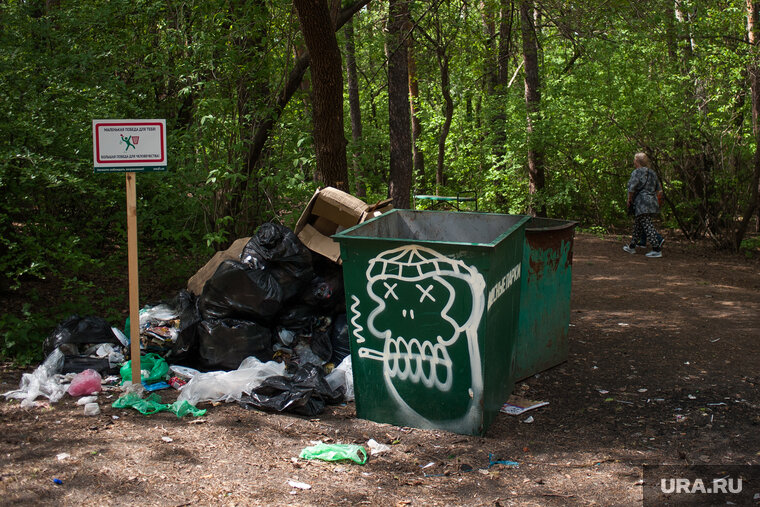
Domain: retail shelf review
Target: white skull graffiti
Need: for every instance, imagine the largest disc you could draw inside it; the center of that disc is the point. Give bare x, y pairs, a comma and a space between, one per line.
415, 289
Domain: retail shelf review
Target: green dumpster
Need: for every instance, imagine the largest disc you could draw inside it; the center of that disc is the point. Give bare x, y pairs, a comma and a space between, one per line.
544, 295
433, 300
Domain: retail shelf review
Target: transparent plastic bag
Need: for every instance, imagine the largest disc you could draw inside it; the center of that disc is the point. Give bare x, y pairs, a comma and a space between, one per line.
44, 381
229, 386
343, 375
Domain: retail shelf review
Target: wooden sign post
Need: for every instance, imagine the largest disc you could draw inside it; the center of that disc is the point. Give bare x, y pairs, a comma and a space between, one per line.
111, 144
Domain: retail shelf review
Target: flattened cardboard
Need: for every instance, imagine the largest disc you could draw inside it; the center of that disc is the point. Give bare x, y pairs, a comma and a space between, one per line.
339, 207
198, 280
331, 210
325, 226
318, 242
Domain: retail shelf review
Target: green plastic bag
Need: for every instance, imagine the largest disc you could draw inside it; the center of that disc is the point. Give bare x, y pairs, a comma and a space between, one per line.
335, 452
152, 404
154, 363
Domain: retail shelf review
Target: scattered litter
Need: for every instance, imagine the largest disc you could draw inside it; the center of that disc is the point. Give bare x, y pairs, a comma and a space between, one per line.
492, 462
85, 383
594, 367
626, 402
603, 391
687, 362
692, 397
680, 417
299, 485
529, 420
516, 405
432, 463
643, 390
167, 439
156, 387
335, 452
57, 481
623, 324
84, 400
716, 404
44, 381
607, 400
376, 448
715, 340
756, 497
152, 404
62, 456
115, 417
91, 409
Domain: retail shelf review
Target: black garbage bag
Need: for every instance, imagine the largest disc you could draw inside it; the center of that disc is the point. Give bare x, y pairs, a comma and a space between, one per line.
319, 341
225, 343
76, 333
185, 349
325, 290
297, 318
276, 249
79, 363
305, 393
237, 290
339, 338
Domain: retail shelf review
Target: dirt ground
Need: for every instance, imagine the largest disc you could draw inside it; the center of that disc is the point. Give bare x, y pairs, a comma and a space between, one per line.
663, 369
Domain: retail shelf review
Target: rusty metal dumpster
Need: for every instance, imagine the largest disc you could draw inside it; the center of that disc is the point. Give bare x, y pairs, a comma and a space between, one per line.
433, 300
545, 287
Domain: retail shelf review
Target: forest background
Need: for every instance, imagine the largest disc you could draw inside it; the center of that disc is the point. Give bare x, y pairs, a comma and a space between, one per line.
538, 106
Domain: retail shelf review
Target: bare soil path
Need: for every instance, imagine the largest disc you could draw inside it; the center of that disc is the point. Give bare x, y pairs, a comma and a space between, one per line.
656, 346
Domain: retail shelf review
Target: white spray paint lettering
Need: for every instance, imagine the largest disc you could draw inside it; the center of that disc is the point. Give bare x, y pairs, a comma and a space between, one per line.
503, 285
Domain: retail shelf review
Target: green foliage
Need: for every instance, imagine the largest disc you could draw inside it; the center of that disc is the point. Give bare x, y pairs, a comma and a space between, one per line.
616, 78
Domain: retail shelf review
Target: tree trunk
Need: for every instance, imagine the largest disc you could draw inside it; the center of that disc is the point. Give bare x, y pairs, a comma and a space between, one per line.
418, 158
355, 109
448, 114
533, 104
327, 92
291, 85
754, 80
400, 177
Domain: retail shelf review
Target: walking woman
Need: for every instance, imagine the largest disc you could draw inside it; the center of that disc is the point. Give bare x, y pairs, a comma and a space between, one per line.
644, 198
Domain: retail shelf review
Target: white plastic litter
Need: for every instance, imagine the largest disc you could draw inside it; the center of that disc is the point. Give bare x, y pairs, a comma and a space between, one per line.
121, 336
62, 456
91, 409
343, 375
229, 386
183, 372
299, 485
157, 313
84, 400
44, 381
376, 447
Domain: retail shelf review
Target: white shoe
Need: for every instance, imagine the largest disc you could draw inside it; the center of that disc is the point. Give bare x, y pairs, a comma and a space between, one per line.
654, 253
628, 249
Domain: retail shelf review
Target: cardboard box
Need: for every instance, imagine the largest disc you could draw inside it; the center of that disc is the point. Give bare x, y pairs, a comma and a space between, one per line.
328, 210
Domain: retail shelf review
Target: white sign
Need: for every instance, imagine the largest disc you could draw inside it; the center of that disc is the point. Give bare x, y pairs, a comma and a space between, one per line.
129, 145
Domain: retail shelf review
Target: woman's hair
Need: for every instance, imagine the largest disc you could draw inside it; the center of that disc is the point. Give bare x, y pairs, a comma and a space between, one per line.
642, 159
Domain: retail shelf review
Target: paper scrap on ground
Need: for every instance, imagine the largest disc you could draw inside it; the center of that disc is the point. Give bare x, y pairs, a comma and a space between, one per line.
516, 405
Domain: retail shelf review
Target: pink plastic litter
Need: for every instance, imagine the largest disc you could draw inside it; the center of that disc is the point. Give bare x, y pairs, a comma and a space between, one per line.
87, 382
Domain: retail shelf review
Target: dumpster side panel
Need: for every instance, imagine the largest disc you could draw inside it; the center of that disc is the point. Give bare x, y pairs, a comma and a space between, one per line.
502, 306
542, 339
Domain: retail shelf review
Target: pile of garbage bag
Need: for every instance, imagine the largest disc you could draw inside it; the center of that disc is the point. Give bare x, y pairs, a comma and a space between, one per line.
266, 331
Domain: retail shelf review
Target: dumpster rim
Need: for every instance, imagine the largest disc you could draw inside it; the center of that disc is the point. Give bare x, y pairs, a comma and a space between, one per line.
566, 225
523, 219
